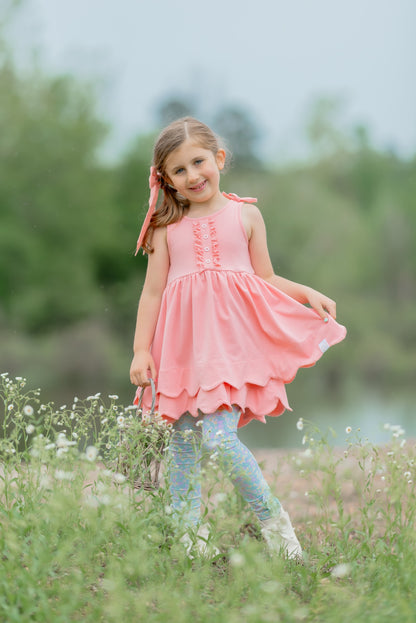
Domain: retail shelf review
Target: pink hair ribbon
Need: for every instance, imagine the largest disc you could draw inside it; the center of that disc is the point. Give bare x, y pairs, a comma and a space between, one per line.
234, 197
154, 185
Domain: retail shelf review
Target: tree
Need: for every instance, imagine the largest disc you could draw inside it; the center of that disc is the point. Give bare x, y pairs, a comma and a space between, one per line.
242, 134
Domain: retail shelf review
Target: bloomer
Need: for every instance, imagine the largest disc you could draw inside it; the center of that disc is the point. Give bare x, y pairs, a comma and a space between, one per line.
215, 434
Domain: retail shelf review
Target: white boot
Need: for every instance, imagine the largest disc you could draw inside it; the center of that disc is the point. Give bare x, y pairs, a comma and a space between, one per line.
280, 536
199, 543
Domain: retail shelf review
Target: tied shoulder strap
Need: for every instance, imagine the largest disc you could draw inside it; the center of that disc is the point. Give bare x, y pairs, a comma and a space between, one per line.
234, 197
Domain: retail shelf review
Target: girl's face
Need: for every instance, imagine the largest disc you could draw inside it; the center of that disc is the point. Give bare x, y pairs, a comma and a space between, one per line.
194, 171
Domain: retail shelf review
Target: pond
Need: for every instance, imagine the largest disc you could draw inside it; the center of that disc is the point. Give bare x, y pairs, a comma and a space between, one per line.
369, 414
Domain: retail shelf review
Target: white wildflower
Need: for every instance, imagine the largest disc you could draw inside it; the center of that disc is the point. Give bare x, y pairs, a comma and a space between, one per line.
304, 439
91, 453
75, 435
28, 410
121, 421
61, 451
341, 571
49, 446
119, 478
10, 407
104, 421
63, 442
200, 423
237, 559
113, 396
30, 429
60, 474
299, 424
348, 430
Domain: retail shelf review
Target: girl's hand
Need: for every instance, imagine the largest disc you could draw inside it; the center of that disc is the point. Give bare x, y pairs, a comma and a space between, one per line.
321, 304
140, 366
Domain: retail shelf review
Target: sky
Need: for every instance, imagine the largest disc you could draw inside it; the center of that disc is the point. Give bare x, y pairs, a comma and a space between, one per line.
274, 58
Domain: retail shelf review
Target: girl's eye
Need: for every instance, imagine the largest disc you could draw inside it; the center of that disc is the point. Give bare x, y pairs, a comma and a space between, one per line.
199, 161
179, 171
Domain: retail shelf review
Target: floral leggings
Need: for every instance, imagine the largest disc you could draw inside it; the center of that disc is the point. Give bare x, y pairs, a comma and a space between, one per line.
215, 434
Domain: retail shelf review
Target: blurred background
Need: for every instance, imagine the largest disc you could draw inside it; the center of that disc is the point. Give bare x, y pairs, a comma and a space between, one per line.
317, 103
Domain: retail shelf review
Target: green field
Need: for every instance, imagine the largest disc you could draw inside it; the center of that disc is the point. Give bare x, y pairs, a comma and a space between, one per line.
79, 543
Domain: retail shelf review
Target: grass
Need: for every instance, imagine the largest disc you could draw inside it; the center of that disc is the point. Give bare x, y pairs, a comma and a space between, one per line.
78, 542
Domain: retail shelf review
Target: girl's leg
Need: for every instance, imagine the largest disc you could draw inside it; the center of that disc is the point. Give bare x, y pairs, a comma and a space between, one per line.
184, 461
219, 434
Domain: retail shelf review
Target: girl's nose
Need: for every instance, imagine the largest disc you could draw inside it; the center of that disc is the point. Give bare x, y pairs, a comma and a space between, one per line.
192, 176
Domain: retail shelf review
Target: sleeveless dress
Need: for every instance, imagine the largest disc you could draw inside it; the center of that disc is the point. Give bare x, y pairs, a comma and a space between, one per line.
224, 336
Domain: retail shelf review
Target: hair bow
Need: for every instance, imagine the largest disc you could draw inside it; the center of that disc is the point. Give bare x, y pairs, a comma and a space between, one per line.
154, 185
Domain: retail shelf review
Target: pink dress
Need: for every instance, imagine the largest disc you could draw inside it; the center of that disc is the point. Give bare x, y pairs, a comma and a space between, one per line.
225, 336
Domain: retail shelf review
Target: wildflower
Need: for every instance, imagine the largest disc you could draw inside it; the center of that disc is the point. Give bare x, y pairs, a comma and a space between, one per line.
104, 421
4, 375
63, 442
75, 435
341, 571
60, 474
30, 429
95, 397
237, 559
10, 407
121, 421
119, 478
49, 446
76, 399
200, 423
304, 439
348, 430
91, 453
299, 424
72, 416
113, 396
28, 410
61, 451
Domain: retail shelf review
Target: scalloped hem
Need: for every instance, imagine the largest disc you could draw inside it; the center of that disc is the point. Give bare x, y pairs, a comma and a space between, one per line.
254, 401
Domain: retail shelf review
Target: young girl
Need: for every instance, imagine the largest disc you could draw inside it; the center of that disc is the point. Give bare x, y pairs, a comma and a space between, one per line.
217, 330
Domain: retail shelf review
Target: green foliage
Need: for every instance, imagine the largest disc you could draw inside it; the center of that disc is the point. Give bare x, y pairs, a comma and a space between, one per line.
345, 223
79, 543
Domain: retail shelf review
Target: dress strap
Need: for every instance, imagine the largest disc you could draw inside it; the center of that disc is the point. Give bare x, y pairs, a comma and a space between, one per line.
234, 197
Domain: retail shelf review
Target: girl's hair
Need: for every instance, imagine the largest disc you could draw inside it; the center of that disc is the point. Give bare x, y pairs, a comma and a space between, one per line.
174, 206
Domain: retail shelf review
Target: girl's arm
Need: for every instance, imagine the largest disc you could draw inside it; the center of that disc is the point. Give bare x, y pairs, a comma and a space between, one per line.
260, 259
149, 307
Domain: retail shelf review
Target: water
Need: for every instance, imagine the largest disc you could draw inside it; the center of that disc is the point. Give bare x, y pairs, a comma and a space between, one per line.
369, 414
